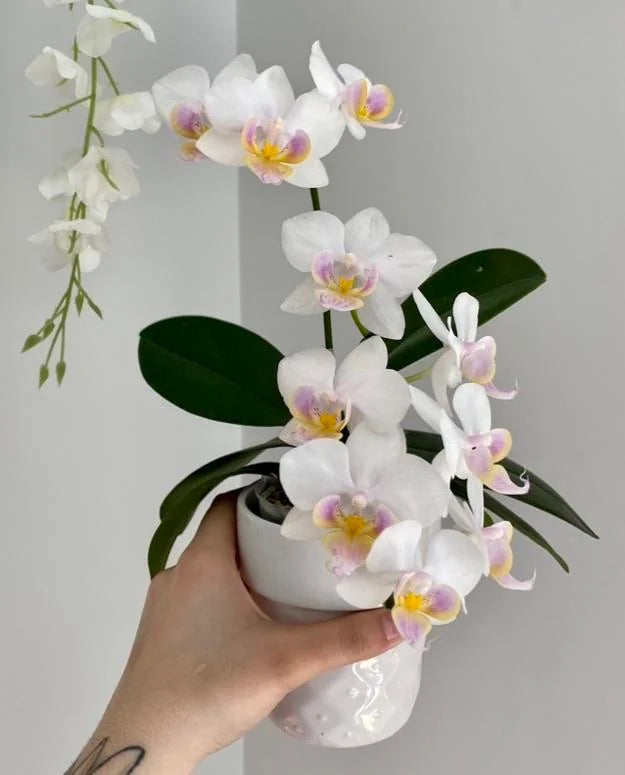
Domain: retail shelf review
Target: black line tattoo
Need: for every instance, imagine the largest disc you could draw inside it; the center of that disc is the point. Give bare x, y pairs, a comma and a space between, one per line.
122, 762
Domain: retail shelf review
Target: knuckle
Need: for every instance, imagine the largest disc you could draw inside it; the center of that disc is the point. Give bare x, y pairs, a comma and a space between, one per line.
356, 640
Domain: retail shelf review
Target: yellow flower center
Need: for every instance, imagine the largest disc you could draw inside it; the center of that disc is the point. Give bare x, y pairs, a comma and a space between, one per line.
354, 525
330, 421
413, 602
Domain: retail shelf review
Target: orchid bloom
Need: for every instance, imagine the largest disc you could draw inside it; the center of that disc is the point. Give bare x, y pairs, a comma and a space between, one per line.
127, 112
346, 495
52, 67
428, 576
465, 356
63, 239
323, 400
359, 266
181, 95
101, 25
103, 176
494, 541
475, 451
259, 124
360, 103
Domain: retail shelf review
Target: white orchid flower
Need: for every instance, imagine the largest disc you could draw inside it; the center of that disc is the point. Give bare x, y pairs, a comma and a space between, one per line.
259, 124
357, 266
104, 176
180, 98
57, 183
428, 578
475, 451
465, 356
127, 112
324, 400
101, 25
494, 541
360, 103
346, 494
65, 238
53, 66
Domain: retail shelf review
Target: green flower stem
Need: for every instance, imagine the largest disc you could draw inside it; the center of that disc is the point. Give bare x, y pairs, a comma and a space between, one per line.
327, 315
63, 108
109, 75
364, 332
418, 376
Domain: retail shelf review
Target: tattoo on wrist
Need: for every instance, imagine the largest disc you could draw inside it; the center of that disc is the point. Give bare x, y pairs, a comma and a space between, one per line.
99, 760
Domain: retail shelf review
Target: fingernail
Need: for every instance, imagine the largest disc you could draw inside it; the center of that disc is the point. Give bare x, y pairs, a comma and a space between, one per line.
388, 626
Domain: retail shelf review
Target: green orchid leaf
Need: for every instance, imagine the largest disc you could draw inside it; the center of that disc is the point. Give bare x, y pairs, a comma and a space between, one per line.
213, 369
541, 495
180, 505
498, 278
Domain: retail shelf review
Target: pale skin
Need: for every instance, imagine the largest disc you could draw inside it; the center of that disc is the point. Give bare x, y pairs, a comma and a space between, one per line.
207, 665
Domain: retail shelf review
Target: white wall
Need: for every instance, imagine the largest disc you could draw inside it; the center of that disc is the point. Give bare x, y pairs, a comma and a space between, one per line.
515, 123
84, 468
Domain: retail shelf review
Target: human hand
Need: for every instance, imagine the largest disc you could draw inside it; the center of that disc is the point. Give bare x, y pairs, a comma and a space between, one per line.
207, 665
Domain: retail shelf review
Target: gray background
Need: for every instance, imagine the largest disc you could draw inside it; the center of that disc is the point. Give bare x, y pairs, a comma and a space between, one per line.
515, 124
515, 132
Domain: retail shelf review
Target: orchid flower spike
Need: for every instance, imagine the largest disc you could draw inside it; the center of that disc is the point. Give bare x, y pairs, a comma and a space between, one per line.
465, 356
181, 96
258, 123
475, 451
324, 400
428, 578
360, 103
346, 495
494, 542
359, 266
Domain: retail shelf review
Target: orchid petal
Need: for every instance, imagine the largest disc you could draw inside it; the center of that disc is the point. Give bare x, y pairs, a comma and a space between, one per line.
309, 174
465, 311
431, 317
396, 550
355, 128
303, 300
412, 489
501, 395
96, 31
230, 105
365, 232
509, 582
307, 235
314, 470
475, 494
371, 454
314, 368
366, 590
275, 93
348, 552
414, 627
403, 263
455, 561
382, 313
323, 75
426, 407
445, 374
242, 66
453, 443
383, 399
299, 526
222, 148
349, 73
186, 85
369, 357
473, 408
321, 122
499, 480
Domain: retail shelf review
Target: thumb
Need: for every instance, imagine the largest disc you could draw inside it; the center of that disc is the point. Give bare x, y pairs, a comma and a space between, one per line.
316, 648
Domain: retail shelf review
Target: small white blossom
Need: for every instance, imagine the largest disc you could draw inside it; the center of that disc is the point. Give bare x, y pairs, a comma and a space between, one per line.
101, 25
127, 112
52, 67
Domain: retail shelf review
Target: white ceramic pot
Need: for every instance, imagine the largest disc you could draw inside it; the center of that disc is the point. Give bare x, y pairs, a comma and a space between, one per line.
357, 705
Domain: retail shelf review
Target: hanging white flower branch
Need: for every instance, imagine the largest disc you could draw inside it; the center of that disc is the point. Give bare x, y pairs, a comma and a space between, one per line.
93, 176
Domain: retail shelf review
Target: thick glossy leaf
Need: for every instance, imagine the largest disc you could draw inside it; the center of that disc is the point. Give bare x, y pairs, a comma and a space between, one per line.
497, 277
213, 369
541, 495
180, 505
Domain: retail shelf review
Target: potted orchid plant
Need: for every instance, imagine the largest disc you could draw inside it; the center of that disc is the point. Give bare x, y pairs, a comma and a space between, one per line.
357, 512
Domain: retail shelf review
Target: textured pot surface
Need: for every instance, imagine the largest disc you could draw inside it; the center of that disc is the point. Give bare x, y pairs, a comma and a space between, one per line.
360, 704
